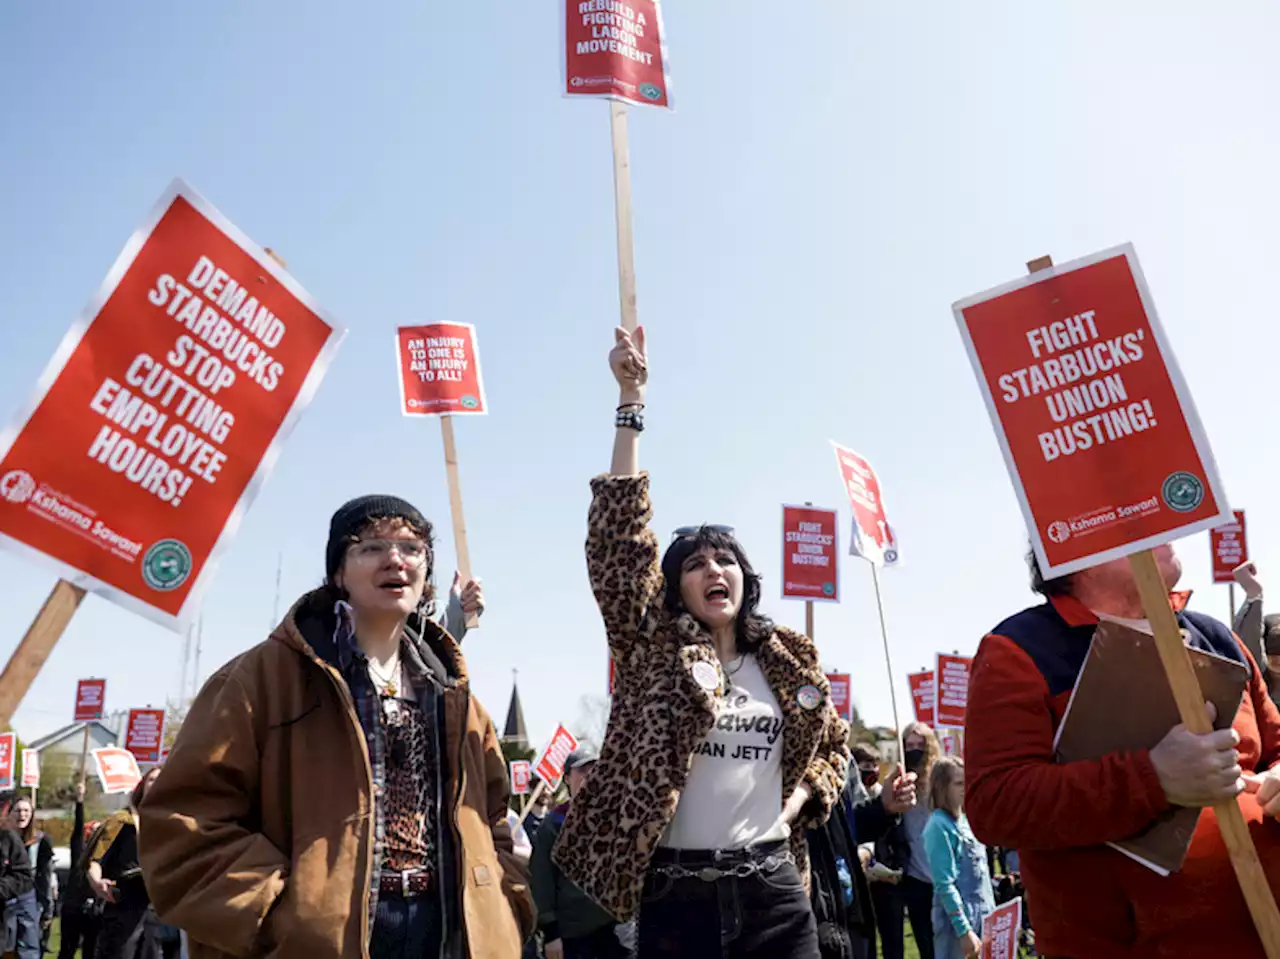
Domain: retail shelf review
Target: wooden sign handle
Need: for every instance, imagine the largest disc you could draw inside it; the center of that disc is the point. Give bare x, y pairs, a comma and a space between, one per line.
538, 790
43, 634
455, 508
1186, 692
622, 210
1154, 592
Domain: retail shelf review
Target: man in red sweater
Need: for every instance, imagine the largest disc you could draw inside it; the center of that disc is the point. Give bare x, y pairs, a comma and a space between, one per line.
1088, 901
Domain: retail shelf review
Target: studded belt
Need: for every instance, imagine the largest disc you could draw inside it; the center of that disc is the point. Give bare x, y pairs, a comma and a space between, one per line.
740, 870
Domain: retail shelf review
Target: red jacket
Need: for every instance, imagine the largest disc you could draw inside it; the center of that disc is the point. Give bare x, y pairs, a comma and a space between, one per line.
1088, 901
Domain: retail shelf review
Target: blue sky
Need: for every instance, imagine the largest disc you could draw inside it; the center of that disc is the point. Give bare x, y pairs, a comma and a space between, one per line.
830, 182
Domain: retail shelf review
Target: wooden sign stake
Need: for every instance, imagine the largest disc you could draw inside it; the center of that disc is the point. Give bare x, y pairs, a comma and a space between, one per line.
622, 208
43, 634
1181, 674
84, 754
455, 508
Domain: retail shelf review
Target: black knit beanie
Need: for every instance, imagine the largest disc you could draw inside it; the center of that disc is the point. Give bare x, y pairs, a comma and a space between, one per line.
354, 516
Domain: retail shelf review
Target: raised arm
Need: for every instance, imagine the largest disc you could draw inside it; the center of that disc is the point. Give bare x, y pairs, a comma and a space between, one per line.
622, 551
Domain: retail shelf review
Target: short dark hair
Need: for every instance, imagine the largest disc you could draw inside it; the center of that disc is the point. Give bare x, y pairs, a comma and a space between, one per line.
752, 627
1057, 586
865, 753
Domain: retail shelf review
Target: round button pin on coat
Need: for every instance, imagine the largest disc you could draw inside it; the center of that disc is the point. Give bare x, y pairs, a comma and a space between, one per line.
705, 675
809, 697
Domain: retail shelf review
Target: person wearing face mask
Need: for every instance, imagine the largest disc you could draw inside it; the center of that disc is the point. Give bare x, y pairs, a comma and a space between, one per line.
338, 791
910, 898
1087, 900
839, 890
723, 744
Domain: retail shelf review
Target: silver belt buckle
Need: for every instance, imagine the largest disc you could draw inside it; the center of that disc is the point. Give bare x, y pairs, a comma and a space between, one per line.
709, 874
404, 883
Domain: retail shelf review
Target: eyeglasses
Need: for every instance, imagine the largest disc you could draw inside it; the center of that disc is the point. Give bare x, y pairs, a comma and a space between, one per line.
684, 531
412, 551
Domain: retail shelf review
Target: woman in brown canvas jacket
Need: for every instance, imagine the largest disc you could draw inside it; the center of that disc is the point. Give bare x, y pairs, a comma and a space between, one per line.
723, 745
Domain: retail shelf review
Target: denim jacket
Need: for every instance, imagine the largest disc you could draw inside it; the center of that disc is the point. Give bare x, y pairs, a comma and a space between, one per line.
961, 881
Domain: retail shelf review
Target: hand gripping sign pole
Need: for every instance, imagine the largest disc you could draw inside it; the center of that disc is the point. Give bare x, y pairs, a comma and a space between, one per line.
1065, 485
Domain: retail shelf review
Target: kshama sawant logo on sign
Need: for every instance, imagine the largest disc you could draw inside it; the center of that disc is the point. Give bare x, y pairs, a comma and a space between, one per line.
162, 412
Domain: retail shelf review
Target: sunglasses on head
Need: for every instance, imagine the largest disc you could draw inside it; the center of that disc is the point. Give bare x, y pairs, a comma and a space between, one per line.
684, 531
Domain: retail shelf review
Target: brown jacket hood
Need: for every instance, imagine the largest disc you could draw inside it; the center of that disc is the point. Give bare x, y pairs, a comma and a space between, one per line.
257, 837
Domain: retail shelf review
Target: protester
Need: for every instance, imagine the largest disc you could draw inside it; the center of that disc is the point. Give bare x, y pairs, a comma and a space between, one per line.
962, 893
40, 855
17, 891
1088, 901
723, 745
903, 849
337, 790
79, 921
538, 807
839, 891
1248, 622
1271, 641
572, 925
129, 927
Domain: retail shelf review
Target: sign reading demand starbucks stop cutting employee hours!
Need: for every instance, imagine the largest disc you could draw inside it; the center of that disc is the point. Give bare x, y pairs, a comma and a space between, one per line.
1099, 432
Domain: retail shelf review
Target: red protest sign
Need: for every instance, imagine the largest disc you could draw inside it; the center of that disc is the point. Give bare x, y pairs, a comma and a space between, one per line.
521, 772
872, 536
841, 695
30, 769
145, 734
91, 694
809, 554
162, 412
8, 751
951, 689
550, 764
616, 49
1099, 432
439, 370
1000, 931
118, 770
1229, 547
922, 693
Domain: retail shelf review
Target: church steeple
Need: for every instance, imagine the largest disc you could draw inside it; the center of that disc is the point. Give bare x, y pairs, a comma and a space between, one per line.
514, 731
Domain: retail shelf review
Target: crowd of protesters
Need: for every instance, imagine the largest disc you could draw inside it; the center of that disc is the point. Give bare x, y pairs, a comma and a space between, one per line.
338, 791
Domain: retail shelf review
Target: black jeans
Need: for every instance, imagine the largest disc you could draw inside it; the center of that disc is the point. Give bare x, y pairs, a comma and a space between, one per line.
601, 944
913, 897
761, 916
406, 928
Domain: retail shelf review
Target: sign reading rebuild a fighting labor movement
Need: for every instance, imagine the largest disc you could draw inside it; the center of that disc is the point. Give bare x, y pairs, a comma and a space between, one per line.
841, 695
162, 412
809, 554
1230, 548
439, 370
616, 49
1097, 426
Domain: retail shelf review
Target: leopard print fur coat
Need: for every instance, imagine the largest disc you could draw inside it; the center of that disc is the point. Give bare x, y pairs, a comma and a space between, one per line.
660, 714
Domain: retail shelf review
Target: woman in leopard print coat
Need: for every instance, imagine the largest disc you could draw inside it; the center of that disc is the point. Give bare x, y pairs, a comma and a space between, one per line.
723, 745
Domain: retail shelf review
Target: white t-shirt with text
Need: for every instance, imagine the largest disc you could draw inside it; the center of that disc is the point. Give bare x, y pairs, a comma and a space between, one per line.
733, 798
